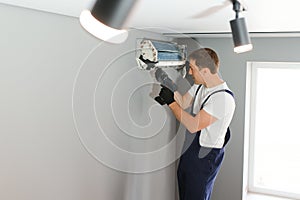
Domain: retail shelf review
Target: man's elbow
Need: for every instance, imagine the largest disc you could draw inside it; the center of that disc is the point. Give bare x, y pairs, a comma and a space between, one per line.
184, 107
192, 129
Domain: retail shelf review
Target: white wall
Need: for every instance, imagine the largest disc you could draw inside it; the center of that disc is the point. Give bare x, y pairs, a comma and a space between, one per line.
51, 148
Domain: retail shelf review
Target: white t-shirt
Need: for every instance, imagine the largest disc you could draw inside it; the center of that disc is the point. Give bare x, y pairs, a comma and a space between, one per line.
221, 105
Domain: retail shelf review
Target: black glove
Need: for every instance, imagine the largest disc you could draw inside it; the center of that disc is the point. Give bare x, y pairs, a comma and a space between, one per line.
160, 100
166, 95
162, 77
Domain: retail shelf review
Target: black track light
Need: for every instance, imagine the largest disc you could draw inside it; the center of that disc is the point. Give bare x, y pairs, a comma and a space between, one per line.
106, 18
239, 31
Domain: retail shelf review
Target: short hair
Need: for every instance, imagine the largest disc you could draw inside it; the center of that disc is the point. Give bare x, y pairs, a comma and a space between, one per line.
206, 58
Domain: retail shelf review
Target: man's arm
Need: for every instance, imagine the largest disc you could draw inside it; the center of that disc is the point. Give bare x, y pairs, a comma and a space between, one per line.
193, 124
184, 101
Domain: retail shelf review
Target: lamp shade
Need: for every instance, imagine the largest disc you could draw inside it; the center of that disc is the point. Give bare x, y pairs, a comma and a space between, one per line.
105, 20
240, 35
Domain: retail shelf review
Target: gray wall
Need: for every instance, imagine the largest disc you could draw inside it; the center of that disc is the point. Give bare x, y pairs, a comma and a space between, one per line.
233, 70
56, 80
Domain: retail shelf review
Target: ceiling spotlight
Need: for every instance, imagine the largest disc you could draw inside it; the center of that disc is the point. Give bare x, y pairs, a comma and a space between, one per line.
239, 31
105, 20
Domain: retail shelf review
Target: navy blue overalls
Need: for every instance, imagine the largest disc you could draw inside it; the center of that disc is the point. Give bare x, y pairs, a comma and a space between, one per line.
198, 166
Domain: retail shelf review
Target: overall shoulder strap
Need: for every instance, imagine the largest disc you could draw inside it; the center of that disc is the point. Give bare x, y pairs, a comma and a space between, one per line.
198, 90
195, 98
223, 90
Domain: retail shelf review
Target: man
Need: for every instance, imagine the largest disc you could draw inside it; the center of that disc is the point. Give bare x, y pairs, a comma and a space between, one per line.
213, 107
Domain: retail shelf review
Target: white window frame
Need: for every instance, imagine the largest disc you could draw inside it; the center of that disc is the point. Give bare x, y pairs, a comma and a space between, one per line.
250, 105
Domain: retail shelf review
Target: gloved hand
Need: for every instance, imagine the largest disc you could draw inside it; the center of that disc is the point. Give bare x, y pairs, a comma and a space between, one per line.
162, 77
166, 95
160, 100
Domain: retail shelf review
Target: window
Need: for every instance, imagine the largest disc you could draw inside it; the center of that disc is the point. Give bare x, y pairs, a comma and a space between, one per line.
274, 128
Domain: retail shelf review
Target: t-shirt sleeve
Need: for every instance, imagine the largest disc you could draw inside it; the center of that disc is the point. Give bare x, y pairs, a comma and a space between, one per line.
220, 105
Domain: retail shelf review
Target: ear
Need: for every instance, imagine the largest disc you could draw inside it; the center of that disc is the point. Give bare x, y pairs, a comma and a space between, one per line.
206, 70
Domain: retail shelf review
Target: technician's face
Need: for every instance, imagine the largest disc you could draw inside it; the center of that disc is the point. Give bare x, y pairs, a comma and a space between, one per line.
196, 73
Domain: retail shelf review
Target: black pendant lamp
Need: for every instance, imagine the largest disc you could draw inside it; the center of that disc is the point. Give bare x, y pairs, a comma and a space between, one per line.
240, 35
106, 18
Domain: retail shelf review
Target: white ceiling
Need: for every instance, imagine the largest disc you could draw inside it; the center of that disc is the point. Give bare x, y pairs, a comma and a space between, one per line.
189, 16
